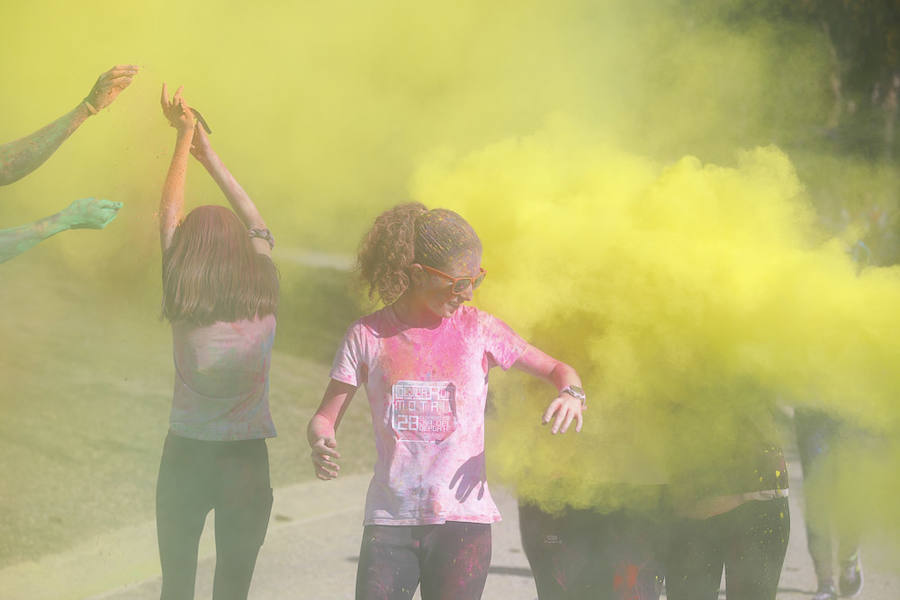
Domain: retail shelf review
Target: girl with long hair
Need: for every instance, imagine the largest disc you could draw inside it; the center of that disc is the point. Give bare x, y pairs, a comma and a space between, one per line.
220, 294
424, 360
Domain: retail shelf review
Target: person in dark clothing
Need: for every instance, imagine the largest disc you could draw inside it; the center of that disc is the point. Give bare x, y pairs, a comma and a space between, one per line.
220, 294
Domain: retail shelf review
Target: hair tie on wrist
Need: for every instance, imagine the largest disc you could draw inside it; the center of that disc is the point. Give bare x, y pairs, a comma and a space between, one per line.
90, 107
264, 234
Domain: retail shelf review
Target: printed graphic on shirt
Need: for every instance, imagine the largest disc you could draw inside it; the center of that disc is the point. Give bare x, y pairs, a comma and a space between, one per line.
423, 411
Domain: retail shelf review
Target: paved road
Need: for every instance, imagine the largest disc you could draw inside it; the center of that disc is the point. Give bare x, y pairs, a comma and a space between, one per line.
311, 552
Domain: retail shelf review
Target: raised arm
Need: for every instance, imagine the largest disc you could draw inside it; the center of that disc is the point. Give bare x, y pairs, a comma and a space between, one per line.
238, 198
171, 205
566, 406
322, 429
21, 157
86, 213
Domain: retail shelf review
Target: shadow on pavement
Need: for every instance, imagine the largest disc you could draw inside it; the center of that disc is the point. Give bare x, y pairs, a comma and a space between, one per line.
495, 570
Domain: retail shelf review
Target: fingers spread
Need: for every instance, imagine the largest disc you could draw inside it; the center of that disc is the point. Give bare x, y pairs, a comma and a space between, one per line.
122, 70
548, 414
568, 420
134, 68
120, 80
557, 421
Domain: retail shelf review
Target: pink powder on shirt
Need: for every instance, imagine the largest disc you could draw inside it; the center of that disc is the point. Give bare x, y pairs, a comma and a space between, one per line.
427, 390
222, 379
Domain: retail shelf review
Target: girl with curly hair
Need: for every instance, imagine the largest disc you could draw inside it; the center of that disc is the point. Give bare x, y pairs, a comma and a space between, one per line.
424, 360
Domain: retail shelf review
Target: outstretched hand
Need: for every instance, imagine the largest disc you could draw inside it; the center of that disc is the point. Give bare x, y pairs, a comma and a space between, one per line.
176, 110
110, 84
566, 408
89, 213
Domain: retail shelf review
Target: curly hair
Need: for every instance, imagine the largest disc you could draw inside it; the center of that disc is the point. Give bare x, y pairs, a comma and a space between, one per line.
406, 234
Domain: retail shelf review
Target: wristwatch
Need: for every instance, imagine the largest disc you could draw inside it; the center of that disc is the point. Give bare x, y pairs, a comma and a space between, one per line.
576, 392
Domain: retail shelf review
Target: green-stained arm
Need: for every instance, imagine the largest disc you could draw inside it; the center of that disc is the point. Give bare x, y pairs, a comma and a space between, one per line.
21, 157
87, 213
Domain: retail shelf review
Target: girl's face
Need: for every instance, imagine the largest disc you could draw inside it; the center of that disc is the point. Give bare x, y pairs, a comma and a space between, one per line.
435, 291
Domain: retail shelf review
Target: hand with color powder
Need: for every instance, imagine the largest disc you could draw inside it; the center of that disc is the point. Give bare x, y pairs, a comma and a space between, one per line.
176, 110
194, 131
22, 156
109, 85
89, 213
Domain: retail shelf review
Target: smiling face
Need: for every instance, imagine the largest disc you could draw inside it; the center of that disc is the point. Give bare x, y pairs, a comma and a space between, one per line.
435, 292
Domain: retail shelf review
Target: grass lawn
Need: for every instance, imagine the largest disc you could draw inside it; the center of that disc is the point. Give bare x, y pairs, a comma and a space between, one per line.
86, 378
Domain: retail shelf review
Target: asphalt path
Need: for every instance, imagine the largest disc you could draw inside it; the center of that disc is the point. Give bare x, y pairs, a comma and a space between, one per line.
312, 547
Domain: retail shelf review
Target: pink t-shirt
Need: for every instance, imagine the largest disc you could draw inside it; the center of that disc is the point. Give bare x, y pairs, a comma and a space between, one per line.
222, 379
427, 390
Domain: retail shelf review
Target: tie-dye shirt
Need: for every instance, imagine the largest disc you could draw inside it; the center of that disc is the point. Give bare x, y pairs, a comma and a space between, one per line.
427, 390
222, 380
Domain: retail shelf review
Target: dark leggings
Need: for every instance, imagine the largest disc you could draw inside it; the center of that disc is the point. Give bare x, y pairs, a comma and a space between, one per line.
749, 542
450, 560
195, 477
583, 554
817, 438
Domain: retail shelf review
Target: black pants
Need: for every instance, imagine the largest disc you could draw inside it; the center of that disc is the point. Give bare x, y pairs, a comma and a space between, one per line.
450, 560
749, 542
195, 477
818, 436
587, 555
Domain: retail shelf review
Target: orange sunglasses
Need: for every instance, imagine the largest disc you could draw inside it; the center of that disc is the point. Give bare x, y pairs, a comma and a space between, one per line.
460, 284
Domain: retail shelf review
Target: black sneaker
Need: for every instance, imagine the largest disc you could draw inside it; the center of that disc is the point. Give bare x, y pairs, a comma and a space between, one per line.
826, 591
851, 579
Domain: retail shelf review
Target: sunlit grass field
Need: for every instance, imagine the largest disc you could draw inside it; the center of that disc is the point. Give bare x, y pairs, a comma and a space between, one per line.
86, 378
